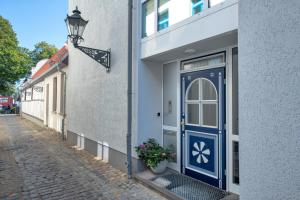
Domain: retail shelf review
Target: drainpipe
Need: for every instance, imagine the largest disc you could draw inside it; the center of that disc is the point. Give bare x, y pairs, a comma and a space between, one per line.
129, 90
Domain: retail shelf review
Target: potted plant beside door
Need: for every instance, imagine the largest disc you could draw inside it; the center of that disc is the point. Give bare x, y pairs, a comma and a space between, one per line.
153, 155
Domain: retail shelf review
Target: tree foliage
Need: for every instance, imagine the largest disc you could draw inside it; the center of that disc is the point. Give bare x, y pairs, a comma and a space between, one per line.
41, 51
15, 63
8, 90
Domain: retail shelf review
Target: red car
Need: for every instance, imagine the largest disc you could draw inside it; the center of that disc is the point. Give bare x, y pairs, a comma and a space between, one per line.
6, 103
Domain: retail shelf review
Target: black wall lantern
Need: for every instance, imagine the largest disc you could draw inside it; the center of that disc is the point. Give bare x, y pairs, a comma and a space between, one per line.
76, 26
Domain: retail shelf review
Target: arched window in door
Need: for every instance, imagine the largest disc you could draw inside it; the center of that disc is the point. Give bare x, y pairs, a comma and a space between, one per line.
202, 103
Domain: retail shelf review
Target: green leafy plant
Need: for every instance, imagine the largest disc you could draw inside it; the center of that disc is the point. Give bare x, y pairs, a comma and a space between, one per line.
41, 51
14, 62
152, 153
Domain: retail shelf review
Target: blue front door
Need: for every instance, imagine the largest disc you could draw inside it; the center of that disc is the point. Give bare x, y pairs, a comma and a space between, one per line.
202, 126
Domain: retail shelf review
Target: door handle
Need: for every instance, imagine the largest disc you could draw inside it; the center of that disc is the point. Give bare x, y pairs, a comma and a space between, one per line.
182, 123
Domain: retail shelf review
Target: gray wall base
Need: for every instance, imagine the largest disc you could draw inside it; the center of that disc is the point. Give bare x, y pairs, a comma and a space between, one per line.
71, 138
90, 146
116, 158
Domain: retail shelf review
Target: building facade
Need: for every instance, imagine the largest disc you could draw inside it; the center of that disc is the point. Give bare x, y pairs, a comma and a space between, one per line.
32, 101
43, 96
188, 63
97, 100
269, 99
191, 91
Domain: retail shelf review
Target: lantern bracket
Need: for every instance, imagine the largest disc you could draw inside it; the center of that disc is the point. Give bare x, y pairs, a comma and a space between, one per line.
76, 25
100, 56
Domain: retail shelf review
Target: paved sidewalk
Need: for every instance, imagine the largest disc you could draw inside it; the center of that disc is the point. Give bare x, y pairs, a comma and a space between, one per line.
36, 164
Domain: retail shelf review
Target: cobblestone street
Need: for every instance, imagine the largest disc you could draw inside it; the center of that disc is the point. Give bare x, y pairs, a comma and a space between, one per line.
36, 164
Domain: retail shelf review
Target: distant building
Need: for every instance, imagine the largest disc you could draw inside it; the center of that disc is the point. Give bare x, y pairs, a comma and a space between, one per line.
42, 95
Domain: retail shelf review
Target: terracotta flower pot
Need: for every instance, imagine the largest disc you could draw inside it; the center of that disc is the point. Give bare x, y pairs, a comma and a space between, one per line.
160, 168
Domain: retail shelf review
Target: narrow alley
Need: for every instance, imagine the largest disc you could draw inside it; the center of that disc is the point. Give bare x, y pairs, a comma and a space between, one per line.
36, 164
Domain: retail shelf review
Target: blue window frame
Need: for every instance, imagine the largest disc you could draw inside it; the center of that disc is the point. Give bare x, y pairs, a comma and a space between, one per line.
163, 20
197, 6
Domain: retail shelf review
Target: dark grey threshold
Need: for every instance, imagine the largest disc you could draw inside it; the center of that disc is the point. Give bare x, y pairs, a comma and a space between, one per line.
173, 185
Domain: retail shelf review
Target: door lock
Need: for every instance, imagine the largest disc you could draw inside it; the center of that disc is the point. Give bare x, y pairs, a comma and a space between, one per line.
182, 123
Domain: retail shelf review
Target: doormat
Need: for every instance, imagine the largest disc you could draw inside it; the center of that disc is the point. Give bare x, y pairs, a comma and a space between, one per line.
188, 188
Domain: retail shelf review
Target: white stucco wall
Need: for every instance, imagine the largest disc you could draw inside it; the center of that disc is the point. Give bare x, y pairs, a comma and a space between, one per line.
54, 119
33, 108
149, 101
34, 103
97, 100
269, 99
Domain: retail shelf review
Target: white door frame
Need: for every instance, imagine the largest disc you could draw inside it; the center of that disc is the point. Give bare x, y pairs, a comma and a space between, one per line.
172, 165
229, 115
229, 119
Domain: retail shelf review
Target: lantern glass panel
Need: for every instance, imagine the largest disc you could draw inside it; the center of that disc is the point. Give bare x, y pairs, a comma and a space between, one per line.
73, 23
68, 26
81, 27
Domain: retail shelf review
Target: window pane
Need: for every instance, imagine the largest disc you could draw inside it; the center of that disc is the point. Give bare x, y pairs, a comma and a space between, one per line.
148, 18
214, 2
209, 114
170, 94
163, 20
235, 163
216, 60
193, 92
62, 96
197, 6
235, 99
193, 113
54, 94
162, 2
204, 62
208, 90
28, 94
170, 142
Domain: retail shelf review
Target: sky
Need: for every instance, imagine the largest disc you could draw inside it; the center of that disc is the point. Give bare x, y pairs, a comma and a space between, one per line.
37, 20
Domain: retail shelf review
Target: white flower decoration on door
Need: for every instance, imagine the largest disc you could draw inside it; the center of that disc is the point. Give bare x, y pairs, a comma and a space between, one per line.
200, 152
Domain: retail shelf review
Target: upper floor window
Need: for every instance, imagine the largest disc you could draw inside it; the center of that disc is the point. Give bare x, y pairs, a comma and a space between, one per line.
148, 16
197, 6
160, 14
163, 20
163, 15
214, 2
162, 3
